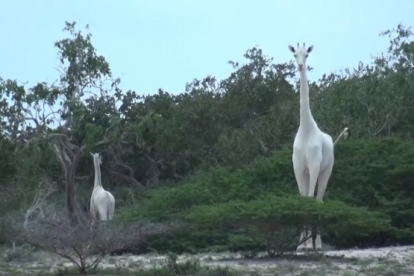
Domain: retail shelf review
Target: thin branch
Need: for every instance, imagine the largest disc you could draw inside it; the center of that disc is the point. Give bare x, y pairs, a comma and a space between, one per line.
159, 162
131, 172
63, 157
39, 200
129, 179
387, 119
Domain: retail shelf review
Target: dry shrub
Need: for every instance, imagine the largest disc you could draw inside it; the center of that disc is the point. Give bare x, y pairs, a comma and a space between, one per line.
85, 245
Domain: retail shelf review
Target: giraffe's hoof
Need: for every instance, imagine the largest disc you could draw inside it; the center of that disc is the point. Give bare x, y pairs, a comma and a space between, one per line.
303, 248
300, 248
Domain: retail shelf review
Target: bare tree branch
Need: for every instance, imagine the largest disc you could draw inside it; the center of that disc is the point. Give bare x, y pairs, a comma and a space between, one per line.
126, 178
45, 188
159, 162
83, 245
386, 120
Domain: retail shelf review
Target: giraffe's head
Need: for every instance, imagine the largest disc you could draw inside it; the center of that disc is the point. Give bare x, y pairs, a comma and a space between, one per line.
301, 54
97, 156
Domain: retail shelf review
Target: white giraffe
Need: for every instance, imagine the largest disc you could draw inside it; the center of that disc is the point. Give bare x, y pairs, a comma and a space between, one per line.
313, 150
102, 202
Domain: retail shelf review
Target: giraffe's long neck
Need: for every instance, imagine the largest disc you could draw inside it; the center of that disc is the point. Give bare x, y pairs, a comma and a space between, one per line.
306, 118
97, 182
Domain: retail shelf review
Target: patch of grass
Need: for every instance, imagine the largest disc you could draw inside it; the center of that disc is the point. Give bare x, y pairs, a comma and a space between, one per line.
22, 253
386, 269
288, 266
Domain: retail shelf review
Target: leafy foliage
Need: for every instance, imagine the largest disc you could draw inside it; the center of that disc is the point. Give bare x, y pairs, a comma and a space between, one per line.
271, 177
223, 143
278, 220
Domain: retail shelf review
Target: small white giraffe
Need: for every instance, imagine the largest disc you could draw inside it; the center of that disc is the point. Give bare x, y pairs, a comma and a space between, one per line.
313, 150
102, 202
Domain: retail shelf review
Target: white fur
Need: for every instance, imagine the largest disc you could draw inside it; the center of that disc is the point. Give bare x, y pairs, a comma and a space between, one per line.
102, 202
313, 150
345, 133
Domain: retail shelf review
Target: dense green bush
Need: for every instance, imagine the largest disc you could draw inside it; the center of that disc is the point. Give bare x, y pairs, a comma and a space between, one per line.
219, 185
376, 174
275, 222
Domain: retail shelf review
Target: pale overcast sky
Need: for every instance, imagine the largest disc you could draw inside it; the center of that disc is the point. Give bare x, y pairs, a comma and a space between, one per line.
155, 44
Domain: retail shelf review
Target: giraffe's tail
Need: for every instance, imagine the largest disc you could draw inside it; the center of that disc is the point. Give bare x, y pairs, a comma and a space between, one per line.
345, 133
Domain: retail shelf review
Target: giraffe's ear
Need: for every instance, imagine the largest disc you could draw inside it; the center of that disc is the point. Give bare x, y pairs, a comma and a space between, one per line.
309, 49
291, 49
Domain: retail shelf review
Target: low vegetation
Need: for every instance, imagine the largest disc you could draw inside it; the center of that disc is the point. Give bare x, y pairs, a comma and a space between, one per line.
207, 170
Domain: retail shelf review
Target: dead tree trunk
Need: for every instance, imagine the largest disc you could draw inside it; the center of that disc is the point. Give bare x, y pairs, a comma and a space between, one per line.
70, 196
69, 167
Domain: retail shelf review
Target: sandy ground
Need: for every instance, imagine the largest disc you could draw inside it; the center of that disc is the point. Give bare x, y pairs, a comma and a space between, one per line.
387, 261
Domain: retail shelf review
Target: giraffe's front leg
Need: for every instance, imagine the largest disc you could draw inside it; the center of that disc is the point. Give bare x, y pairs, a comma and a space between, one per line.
302, 178
302, 246
308, 244
322, 184
318, 242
